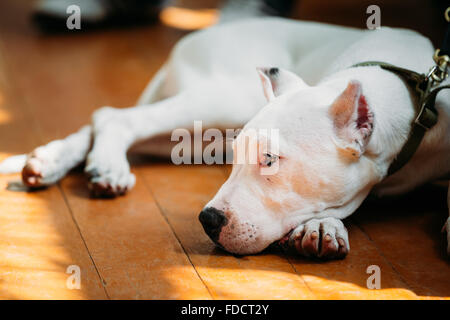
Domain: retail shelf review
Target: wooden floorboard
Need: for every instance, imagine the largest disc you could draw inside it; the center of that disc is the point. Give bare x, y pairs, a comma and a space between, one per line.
120, 234
347, 279
407, 230
38, 237
135, 251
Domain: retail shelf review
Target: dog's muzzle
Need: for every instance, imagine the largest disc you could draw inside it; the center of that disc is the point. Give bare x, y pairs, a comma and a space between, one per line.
212, 221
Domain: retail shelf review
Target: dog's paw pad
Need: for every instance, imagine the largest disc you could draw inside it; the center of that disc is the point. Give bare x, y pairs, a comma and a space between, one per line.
325, 239
106, 190
32, 172
310, 243
109, 182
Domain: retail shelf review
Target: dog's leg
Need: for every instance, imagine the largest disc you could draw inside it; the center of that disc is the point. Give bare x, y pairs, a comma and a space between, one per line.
116, 130
325, 238
106, 164
446, 227
47, 164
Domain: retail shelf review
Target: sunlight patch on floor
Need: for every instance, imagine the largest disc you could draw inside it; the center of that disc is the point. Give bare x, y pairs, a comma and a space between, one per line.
33, 258
182, 285
228, 283
189, 19
5, 116
333, 289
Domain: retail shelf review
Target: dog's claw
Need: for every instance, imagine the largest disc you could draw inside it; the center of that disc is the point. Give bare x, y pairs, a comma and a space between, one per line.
329, 247
108, 178
343, 248
310, 243
102, 190
325, 239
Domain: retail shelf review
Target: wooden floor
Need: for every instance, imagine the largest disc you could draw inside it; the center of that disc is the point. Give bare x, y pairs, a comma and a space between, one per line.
149, 244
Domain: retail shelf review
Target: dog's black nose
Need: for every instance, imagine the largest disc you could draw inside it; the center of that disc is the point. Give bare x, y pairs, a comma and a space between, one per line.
212, 220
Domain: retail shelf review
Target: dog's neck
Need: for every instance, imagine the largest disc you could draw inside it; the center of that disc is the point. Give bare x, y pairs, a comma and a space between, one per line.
394, 106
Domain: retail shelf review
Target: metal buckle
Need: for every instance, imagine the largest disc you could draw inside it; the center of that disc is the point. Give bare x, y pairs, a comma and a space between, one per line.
439, 73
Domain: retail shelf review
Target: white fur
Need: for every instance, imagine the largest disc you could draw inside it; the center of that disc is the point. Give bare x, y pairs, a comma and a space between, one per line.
211, 76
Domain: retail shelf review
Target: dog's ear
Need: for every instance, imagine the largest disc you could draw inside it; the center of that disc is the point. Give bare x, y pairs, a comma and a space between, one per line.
353, 119
276, 81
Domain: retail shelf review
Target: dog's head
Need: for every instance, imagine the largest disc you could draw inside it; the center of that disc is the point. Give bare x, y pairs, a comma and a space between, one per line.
309, 146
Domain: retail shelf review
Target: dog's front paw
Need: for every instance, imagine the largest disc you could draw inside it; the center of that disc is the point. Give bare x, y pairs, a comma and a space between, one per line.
32, 172
44, 166
446, 229
108, 176
321, 238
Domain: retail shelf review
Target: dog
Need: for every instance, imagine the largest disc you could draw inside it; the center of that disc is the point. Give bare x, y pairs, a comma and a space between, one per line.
340, 127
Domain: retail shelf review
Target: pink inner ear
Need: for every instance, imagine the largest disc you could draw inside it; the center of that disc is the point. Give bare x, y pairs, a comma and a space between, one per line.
363, 112
365, 117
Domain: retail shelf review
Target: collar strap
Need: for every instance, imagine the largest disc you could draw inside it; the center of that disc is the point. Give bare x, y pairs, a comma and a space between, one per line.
427, 115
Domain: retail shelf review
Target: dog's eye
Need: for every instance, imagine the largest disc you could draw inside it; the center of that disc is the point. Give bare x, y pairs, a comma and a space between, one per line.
268, 159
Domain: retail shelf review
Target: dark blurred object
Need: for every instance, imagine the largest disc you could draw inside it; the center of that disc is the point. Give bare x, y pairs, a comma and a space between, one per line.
239, 9
278, 7
51, 15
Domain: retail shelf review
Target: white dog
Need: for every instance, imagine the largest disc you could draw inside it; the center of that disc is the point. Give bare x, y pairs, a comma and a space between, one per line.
340, 128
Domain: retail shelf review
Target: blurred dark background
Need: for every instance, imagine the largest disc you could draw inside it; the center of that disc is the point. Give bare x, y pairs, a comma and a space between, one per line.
425, 16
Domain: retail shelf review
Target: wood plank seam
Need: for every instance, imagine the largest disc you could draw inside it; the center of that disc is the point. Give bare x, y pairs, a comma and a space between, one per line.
299, 274
380, 252
37, 129
226, 174
102, 280
163, 214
